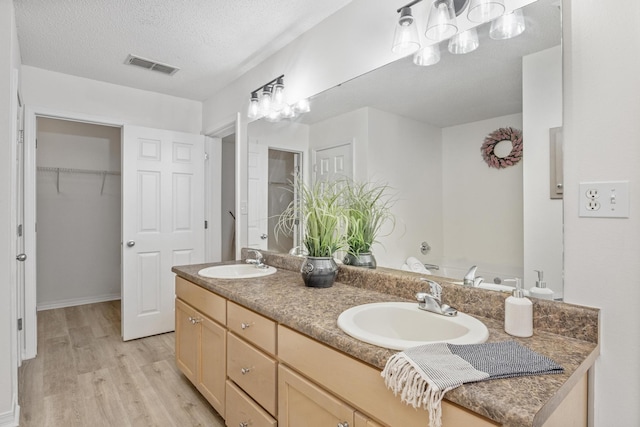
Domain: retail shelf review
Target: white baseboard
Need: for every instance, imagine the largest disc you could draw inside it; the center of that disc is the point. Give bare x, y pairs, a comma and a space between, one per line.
77, 301
12, 417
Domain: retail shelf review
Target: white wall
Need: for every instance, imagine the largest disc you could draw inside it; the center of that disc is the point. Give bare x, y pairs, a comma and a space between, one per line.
66, 93
482, 202
601, 132
9, 61
406, 154
78, 244
542, 110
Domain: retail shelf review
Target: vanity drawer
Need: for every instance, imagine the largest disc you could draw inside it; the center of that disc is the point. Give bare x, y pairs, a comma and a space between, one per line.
254, 371
252, 326
242, 410
208, 303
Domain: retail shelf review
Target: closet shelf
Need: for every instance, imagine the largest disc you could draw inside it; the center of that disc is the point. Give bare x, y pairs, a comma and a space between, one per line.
71, 170
78, 171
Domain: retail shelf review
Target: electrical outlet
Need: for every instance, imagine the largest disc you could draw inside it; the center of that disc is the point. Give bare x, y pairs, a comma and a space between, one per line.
593, 205
604, 199
592, 193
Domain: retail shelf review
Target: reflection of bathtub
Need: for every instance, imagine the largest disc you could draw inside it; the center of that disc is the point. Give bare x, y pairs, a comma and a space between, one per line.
492, 274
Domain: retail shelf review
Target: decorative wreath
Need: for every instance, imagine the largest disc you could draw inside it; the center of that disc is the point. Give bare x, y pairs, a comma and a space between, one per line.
490, 142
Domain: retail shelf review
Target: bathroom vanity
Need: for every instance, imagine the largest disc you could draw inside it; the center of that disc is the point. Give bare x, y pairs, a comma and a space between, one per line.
267, 351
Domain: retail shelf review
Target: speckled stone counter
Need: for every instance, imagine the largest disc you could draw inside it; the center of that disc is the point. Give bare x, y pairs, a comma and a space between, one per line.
567, 334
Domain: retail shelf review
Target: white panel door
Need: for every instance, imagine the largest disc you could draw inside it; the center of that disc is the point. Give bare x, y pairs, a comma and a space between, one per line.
162, 223
258, 205
333, 163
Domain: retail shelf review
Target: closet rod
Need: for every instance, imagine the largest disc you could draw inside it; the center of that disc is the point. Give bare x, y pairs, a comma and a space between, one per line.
71, 170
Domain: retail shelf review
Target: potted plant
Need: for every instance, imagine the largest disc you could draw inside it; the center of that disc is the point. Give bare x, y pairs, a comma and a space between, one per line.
368, 207
320, 210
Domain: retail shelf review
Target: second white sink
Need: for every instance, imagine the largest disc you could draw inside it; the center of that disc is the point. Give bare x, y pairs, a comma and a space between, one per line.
235, 271
401, 325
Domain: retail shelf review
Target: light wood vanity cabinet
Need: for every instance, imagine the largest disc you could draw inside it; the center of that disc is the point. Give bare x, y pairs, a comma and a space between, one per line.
258, 373
201, 345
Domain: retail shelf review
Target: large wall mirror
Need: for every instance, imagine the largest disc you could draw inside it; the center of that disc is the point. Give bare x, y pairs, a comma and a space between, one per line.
419, 130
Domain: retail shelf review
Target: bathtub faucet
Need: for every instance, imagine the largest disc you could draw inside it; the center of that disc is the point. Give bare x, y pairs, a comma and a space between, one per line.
470, 278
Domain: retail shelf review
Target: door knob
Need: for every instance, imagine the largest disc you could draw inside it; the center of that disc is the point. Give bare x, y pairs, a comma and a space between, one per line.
131, 243
22, 257
264, 236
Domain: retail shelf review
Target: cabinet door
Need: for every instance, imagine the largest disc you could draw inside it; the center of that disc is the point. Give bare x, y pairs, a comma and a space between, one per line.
187, 338
302, 403
212, 363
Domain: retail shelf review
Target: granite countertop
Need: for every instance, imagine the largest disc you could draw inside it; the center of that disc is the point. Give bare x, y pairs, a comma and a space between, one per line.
525, 401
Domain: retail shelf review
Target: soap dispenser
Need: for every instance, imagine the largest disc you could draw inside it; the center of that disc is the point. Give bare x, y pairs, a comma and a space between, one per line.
518, 313
540, 290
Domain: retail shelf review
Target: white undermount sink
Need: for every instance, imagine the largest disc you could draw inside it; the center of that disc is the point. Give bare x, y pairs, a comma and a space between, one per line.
401, 325
236, 271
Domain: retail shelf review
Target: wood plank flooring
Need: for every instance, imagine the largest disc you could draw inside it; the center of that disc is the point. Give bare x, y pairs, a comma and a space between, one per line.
85, 375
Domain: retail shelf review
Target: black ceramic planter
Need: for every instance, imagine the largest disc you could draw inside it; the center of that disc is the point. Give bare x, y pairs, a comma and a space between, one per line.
319, 272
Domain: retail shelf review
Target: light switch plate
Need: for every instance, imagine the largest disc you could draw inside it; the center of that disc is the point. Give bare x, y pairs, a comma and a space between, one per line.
608, 199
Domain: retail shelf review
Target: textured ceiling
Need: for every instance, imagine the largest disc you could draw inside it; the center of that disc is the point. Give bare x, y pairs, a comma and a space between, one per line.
211, 41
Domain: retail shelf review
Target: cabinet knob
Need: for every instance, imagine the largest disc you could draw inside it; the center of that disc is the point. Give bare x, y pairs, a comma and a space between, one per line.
245, 325
243, 424
194, 320
245, 371
343, 424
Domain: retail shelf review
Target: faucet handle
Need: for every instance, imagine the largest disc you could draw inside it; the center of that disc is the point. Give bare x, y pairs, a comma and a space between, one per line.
435, 290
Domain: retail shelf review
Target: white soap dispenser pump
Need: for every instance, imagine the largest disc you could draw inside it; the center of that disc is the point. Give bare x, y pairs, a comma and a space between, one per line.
518, 313
540, 290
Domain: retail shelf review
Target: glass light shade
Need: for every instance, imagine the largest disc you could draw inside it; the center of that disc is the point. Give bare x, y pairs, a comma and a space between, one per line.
265, 101
254, 106
442, 21
507, 26
303, 106
405, 38
428, 55
278, 95
485, 10
465, 42
288, 112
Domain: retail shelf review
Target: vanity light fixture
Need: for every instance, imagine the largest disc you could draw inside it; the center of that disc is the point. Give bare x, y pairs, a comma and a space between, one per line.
464, 42
405, 38
269, 101
507, 26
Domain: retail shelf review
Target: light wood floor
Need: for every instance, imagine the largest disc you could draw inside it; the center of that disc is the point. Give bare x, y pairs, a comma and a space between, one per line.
85, 375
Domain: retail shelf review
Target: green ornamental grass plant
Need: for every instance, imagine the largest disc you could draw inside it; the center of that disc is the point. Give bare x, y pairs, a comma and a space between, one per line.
322, 214
368, 207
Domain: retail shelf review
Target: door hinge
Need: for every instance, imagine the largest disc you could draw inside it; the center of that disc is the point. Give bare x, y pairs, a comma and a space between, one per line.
20, 230
20, 324
206, 224
206, 156
20, 136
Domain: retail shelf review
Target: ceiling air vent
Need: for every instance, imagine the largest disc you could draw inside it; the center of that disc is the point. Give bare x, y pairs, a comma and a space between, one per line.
151, 65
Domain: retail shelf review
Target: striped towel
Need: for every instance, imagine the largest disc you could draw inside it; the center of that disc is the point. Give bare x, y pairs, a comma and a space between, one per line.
422, 375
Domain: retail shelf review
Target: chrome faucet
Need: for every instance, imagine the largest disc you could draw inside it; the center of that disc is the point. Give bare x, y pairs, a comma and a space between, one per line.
258, 261
431, 301
470, 278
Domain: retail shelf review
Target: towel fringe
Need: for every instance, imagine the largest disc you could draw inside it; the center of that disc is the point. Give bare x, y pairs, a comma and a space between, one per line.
401, 378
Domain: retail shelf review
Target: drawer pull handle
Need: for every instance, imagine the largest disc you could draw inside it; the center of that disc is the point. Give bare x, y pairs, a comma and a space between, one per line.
245, 371
194, 320
343, 424
243, 424
245, 325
